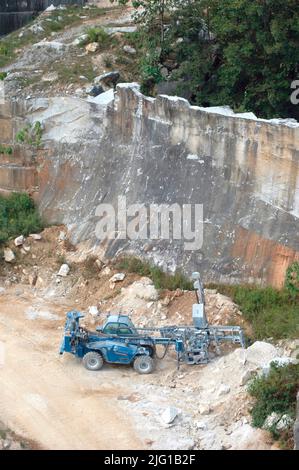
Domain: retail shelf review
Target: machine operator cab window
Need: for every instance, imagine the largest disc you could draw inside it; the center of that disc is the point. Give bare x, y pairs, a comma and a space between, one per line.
120, 329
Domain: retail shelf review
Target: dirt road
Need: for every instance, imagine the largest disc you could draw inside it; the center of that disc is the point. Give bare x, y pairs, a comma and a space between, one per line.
50, 399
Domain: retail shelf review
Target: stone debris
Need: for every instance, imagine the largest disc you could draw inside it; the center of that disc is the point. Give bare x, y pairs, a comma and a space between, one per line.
271, 420
93, 310
50, 77
62, 236
9, 255
35, 236
19, 240
204, 409
92, 47
54, 45
261, 353
129, 49
285, 422
117, 277
64, 270
106, 271
80, 40
246, 376
223, 390
51, 8
94, 90
220, 308
99, 264
169, 415
108, 79
32, 279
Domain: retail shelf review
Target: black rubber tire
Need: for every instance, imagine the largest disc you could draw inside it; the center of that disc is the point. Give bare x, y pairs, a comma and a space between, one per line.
151, 350
144, 364
93, 361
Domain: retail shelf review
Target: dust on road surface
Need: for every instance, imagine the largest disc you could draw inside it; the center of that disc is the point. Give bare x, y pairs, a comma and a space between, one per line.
51, 399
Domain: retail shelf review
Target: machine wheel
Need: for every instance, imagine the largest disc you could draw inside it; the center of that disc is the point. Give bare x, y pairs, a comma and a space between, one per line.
93, 361
144, 364
151, 350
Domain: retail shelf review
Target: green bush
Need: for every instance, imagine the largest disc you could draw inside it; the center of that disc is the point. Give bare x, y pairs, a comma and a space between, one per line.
277, 393
18, 215
98, 35
160, 279
31, 134
6, 150
292, 278
271, 312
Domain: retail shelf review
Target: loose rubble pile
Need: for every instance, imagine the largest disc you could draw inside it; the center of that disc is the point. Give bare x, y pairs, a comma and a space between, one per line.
208, 409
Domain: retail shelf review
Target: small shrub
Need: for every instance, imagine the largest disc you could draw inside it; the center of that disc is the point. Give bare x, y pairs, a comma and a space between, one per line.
3, 75
292, 278
18, 215
277, 393
6, 150
271, 312
108, 61
31, 134
98, 35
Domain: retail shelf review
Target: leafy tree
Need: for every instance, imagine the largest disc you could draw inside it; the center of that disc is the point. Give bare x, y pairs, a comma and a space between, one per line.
242, 53
259, 41
152, 14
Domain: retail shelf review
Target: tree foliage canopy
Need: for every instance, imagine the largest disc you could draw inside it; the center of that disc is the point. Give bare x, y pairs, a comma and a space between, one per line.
242, 53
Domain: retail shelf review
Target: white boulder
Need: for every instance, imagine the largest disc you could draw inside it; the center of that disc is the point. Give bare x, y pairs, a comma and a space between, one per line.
19, 240
64, 270
9, 255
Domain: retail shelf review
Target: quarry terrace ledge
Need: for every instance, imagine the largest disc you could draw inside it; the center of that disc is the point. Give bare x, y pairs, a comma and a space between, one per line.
16, 13
242, 169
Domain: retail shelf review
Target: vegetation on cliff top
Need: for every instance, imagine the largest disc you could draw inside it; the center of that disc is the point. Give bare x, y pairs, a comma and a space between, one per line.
242, 53
52, 22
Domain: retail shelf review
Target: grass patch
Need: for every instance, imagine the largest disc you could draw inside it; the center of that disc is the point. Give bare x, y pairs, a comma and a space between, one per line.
69, 74
277, 393
59, 20
4, 150
160, 279
272, 313
18, 216
99, 35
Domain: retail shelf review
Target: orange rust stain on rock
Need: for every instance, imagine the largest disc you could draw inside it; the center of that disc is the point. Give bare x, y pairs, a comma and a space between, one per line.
263, 259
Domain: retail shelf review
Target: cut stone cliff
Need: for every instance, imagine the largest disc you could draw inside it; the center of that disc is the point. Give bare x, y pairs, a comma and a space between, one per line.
243, 170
